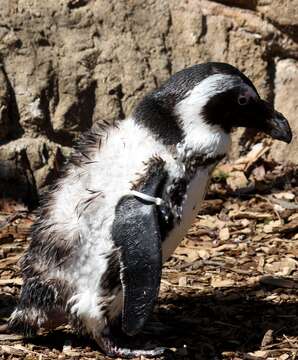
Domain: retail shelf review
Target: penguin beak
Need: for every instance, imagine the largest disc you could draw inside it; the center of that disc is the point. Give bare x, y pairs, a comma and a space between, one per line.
278, 127
274, 123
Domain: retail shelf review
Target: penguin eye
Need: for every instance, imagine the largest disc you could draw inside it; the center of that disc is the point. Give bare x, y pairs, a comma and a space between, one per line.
242, 100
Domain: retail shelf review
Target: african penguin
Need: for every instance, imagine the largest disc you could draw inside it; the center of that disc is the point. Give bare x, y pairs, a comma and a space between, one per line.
126, 199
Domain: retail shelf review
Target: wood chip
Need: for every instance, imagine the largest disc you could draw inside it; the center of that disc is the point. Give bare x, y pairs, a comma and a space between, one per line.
224, 234
267, 339
10, 337
218, 283
250, 215
182, 281
259, 354
7, 349
11, 282
284, 196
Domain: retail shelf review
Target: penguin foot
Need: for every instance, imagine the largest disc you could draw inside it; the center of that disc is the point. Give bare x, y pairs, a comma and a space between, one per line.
126, 353
117, 344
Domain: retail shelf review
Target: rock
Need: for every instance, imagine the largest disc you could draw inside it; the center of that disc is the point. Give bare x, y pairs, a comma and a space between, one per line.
218, 32
249, 47
282, 12
186, 33
66, 64
4, 108
28, 165
286, 85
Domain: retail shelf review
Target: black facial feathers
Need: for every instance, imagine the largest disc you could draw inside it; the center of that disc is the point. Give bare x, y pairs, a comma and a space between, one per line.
158, 116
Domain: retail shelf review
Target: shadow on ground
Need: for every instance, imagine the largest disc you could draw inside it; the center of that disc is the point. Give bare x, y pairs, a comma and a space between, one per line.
208, 324
220, 322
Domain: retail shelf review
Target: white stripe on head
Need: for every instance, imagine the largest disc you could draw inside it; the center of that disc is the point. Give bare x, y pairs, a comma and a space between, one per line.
198, 134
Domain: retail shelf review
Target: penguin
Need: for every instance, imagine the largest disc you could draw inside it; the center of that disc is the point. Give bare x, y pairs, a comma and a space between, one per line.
125, 200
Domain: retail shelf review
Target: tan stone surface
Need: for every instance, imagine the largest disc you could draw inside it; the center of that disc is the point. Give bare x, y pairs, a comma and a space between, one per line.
4, 107
67, 63
29, 164
283, 12
286, 101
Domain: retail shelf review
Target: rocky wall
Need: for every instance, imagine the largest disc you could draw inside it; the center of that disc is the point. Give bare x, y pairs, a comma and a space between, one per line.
67, 63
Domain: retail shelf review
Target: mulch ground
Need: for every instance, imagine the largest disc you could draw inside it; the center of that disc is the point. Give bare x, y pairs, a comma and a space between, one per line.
230, 291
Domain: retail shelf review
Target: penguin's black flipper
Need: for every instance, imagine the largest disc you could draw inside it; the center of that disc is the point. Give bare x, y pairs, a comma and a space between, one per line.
137, 234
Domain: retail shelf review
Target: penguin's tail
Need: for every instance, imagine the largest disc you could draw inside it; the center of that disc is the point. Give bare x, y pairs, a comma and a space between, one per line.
38, 300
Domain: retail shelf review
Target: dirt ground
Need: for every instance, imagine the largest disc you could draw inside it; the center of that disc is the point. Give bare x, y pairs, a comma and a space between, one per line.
230, 291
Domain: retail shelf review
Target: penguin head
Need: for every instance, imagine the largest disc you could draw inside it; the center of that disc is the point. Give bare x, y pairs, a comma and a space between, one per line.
236, 103
212, 94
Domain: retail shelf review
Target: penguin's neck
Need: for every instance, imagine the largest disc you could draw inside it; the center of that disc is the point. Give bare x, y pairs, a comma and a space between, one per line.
200, 135
202, 139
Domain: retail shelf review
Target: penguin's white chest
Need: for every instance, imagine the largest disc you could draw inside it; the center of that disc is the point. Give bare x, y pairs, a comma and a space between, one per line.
191, 203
